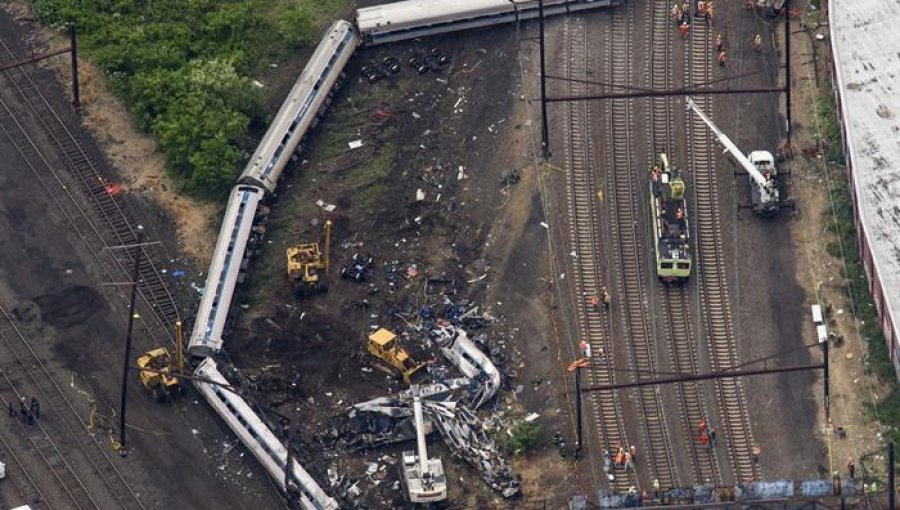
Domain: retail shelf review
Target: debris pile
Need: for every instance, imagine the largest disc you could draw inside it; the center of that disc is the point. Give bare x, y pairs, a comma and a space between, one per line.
376, 422
455, 345
385, 420
465, 434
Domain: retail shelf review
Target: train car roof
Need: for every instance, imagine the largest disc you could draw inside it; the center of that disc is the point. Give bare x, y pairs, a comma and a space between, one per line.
865, 45
423, 12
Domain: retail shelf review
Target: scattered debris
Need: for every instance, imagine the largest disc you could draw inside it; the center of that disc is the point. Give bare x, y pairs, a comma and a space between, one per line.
355, 144
325, 205
358, 269
510, 177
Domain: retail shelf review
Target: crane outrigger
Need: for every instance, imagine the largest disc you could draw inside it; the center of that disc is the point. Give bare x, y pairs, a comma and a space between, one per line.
760, 166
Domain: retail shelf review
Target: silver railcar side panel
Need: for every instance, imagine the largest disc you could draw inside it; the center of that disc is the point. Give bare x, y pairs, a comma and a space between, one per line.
298, 113
206, 338
416, 18
257, 437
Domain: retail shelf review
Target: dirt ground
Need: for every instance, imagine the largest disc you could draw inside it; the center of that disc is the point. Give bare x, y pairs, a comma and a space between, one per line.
451, 135
485, 236
76, 324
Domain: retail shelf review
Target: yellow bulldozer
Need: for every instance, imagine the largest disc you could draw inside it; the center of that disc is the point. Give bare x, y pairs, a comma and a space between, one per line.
383, 345
307, 266
155, 373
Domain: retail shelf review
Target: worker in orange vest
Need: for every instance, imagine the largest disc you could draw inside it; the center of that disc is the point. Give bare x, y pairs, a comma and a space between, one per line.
683, 28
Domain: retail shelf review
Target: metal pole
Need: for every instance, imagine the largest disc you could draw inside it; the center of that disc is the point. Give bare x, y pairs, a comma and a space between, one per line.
827, 391
131, 316
76, 101
578, 444
890, 467
545, 130
287, 465
787, 68
724, 374
666, 93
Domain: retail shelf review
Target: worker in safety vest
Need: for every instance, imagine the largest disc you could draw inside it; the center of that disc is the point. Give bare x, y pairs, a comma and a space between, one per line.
722, 58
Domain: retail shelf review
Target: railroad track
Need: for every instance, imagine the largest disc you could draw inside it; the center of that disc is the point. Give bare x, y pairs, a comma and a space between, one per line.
675, 301
59, 438
710, 264
629, 252
26, 486
594, 325
117, 226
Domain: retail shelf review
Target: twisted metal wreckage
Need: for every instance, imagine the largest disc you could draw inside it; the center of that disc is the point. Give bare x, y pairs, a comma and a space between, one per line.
448, 405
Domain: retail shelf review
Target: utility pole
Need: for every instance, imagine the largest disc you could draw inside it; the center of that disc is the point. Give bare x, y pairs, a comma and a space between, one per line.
826, 381
545, 129
892, 489
787, 67
135, 281
288, 464
76, 101
576, 367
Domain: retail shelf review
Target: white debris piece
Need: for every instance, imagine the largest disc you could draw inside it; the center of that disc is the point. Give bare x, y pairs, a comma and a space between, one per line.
325, 205
355, 144
420, 195
531, 417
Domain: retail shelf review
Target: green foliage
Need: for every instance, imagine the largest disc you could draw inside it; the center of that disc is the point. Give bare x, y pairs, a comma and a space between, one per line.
831, 130
839, 219
525, 436
182, 68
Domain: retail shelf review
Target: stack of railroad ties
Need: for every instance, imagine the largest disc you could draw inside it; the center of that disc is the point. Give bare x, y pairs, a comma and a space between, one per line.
307, 101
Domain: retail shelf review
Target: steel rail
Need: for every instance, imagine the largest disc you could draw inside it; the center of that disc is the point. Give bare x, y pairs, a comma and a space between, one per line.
628, 251
594, 326
675, 302
710, 266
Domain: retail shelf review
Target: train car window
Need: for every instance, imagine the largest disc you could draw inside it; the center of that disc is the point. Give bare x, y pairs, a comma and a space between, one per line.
684, 265
665, 265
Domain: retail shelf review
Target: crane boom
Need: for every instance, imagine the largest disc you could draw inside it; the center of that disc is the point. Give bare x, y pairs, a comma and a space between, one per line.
767, 187
420, 431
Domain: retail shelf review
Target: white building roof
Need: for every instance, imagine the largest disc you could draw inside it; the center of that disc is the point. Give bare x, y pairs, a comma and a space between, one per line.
866, 44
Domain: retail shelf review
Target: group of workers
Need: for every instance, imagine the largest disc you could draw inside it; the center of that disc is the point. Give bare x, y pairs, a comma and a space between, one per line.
29, 411
704, 9
619, 457
604, 297
708, 435
681, 14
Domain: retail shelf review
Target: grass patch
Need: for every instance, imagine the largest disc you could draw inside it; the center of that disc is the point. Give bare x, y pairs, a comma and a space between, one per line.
369, 181
830, 133
840, 222
184, 70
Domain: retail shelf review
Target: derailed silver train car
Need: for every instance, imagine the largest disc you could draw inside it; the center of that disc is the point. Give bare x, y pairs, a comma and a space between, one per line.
306, 103
257, 437
231, 246
416, 18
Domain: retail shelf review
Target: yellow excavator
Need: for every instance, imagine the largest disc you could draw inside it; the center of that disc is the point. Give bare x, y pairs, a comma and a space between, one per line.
159, 380
307, 266
383, 345
156, 372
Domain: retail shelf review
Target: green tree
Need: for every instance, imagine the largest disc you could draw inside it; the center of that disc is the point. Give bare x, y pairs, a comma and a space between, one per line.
525, 436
